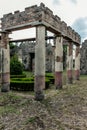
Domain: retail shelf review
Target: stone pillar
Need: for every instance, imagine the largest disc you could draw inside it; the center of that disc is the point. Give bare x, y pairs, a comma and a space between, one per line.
0, 66
53, 60
40, 63
58, 62
5, 56
77, 63
70, 63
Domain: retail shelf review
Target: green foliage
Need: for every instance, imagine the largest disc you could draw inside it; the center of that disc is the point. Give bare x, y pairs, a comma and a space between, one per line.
16, 67
50, 76
12, 46
23, 79
18, 76
65, 48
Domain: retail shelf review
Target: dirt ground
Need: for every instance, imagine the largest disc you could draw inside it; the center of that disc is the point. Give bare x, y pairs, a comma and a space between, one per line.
64, 109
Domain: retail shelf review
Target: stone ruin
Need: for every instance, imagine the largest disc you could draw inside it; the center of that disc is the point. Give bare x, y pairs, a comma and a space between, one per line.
83, 51
43, 19
26, 55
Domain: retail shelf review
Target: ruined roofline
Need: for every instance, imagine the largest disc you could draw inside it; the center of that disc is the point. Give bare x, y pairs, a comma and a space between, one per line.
38, 15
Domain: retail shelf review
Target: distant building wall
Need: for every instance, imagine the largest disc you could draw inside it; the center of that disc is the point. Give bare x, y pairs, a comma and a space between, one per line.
83, 68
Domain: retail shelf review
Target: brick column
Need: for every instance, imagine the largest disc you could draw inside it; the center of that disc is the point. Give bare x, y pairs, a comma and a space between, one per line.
39, 63
77, 63
70, 63
58, 62
5, 56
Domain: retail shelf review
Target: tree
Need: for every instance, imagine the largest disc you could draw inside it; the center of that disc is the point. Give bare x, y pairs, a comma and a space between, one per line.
16, 67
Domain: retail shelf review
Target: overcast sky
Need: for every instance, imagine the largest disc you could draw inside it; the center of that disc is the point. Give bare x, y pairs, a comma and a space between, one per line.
73, 12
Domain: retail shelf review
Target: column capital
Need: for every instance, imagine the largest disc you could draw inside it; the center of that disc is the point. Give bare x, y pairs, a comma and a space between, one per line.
5, 32
58, 35
4, 39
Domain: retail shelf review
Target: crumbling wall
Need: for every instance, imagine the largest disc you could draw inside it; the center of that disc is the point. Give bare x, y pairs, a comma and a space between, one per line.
28, 49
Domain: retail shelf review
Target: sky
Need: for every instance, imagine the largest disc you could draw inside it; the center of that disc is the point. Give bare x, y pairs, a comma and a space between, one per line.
73, 12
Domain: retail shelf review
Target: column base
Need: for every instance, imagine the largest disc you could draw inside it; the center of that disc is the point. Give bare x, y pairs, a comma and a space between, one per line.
70, 80
39, 86
39, 96
5, 87
77, 74
58, 80
58, 86
69, 75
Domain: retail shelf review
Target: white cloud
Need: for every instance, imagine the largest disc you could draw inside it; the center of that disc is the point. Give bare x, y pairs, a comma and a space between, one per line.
80, 25
56, 2
73, 1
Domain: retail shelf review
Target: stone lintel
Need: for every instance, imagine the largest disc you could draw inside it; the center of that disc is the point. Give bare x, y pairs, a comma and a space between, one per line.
23, 26
33, 24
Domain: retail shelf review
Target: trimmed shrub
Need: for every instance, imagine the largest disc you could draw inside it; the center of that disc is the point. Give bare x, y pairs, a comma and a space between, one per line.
22, 79
51, 80
22, 85
18, 76
16, 67
25, 84
50, 76
47, 83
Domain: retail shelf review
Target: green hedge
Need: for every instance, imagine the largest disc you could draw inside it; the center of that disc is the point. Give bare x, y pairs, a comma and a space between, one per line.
22, 85
51, 80
47, 83
22, 79
50, 76
18, 76
25, 84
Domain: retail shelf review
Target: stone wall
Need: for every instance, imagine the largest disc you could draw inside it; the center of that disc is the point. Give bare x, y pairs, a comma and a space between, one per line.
84, 58
27, 55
